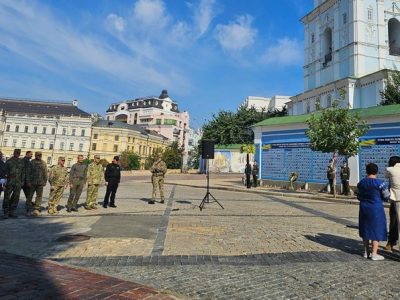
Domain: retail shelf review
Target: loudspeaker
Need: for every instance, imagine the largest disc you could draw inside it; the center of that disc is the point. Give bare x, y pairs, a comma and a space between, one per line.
207, 149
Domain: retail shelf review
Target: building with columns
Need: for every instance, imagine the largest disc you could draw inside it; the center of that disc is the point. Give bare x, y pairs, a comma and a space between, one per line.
349, 45
160, 114
54, 128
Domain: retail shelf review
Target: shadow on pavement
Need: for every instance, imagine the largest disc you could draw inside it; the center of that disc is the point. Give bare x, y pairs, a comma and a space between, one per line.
347, 245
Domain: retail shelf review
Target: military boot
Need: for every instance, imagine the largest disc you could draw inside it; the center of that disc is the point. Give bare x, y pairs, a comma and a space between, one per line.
36, 213
388, 247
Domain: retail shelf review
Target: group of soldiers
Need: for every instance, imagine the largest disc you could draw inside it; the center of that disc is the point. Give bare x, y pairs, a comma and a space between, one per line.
31, 175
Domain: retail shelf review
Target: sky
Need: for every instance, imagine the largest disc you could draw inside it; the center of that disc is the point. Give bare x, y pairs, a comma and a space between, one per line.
209, 54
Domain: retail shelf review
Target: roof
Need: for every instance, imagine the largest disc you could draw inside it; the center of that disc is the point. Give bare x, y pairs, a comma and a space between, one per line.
229, 146
41, 107
122, 125
364, 113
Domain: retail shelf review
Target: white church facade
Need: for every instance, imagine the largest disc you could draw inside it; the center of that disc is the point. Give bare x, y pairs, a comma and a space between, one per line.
349, 45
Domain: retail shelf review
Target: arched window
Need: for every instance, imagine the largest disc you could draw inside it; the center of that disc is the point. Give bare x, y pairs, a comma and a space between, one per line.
394, 36
308, 107
329, 101
327, 45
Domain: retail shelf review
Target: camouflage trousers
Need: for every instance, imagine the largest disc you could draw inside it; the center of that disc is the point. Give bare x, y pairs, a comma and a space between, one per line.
27, 191
74, 193
55, 197
92, 192
158, 182
11, 198
38, 189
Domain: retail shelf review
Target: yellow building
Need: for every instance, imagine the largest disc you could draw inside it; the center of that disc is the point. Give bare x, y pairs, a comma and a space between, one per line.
110, 138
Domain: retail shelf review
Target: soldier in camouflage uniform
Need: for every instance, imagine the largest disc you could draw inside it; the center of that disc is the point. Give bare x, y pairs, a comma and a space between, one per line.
158, 170
15, 175
77, 180
95, 177
58, 179
38, 180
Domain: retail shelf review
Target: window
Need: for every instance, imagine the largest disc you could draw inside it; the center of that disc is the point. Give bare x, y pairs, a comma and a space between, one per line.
71, 146
35, 129
95, 136
23, 143
26, 129
327, 45
5, 142
158, 121
41, 145
49, 160
318, 104
83, 132
51, 146
116, 138
308, 107
140, 149
127, 148
53, 131
44, 130
329, 101
370, 14
17, 128
94, 146
394, 36
8, 128
344, 18
33, 144
14, 144
81, 147
129, 139
64, 131
115, 148
73, 132
169, 122
62, 145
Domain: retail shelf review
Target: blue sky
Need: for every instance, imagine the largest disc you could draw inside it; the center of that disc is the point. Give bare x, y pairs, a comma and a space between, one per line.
209, 54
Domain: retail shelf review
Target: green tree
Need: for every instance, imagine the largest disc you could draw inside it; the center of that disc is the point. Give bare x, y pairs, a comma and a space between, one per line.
194, 158
391, 94
228, 127
336, 130
129, 160
172, 156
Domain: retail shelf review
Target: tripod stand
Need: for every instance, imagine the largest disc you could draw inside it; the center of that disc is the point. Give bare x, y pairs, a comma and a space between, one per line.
206, 198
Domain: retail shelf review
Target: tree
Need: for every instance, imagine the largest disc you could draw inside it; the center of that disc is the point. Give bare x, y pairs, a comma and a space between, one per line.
172, 156
194, 158
152, 158
336, 130
228, 127
391, 94
129, 160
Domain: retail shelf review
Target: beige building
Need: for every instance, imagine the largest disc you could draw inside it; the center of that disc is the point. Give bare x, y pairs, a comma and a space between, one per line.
54, 128
110, 138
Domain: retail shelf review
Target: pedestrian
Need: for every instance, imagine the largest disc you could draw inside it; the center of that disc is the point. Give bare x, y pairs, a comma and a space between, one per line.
26, 187
158, 170
38, 180
393, 174
112, 177
15, 175
58, 179
77, 180
345, 177
247, 172
255, 173
330, 174
3, 179
95, 175
372, 220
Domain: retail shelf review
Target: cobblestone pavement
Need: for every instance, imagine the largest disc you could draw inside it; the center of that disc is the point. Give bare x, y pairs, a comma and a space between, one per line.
258, 246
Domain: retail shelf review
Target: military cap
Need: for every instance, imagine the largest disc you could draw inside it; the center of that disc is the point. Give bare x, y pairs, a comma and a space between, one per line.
61, 158
116, 158
38, 153
17, 150
97, 156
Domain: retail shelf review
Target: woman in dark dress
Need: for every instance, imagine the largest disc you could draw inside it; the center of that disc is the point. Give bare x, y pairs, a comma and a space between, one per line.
372, 218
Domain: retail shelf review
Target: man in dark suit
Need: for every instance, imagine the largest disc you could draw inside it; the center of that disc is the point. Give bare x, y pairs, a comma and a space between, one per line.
112, 177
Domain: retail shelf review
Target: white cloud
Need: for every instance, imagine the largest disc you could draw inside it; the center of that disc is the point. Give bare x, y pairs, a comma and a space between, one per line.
203, 16
286, 52
30, 30
116, 23
150, 14
237, 35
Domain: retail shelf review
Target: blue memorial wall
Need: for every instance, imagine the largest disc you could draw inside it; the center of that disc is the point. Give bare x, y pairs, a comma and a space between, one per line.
283, 152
